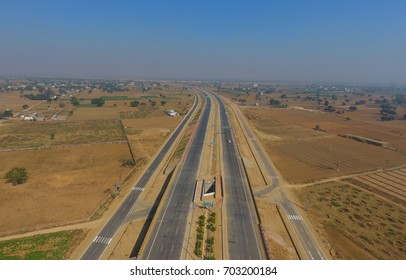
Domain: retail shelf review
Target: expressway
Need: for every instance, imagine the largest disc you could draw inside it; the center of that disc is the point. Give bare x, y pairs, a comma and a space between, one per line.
104, 237
308, 242
168, 233
244, 241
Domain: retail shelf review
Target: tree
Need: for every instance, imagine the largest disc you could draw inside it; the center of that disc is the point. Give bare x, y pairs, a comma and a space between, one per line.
98, 101
353, 108
153, 103
74, 101
61, 104
17, 176
326, 102
6, 114
284, 96
25, 106
135, 103
329, 109
387, 109
163, 102
52, 136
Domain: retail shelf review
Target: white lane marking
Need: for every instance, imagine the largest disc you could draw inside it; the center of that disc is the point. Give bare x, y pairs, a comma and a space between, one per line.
311, 255
308, 242
102, 239
162, 246
301, 229
177, 230
320, 255
171, 248
295, 217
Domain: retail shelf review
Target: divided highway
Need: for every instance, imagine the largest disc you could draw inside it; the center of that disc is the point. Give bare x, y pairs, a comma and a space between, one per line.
103, 239
244, 241
167, 240
308, 242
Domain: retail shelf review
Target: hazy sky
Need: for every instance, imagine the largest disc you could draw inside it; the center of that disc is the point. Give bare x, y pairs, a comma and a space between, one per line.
357, 40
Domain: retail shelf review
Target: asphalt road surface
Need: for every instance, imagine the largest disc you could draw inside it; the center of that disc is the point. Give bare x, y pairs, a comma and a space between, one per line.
308, 242
244, 241
103, 239
167, 240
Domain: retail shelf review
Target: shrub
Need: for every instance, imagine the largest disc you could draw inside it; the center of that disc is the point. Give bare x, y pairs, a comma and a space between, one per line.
17, 176
135, 103
128, 163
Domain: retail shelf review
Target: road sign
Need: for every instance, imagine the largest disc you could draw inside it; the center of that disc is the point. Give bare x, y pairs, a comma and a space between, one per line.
208, 204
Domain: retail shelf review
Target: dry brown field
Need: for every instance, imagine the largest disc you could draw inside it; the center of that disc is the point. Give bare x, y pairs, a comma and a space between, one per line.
65, 185
388, 184
147, 135
12, 101
356, 224
303, 154
72, 175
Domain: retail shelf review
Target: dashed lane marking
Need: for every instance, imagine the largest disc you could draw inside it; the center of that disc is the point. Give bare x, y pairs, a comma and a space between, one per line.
295, 217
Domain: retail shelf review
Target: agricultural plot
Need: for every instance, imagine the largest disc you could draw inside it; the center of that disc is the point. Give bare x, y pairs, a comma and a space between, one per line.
95, 113
65, 185
306, 161
139, 113
389, 184
354, 223
303, 154
40, 134
51, 246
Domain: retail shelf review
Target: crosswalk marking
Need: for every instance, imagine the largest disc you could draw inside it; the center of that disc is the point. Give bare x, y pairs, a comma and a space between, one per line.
102, 239
295, 217
138, 189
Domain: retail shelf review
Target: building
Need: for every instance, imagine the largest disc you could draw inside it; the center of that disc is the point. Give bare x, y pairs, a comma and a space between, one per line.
171, 112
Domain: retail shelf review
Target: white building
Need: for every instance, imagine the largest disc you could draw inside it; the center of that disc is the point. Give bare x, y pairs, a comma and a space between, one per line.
171, 112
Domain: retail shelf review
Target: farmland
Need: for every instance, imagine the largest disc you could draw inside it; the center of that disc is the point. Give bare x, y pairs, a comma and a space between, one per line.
303, 154
52, 246
354, 223
74, 159
387, 184
65, 185
38, 134
343, 165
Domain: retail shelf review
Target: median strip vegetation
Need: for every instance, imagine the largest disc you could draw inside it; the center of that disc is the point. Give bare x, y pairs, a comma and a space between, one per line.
200, 235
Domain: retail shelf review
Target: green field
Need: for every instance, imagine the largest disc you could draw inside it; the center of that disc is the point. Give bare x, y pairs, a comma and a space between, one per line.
38, 134
52, 246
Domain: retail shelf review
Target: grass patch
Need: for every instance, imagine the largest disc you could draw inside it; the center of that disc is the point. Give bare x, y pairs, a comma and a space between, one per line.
52, 246
36, 134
